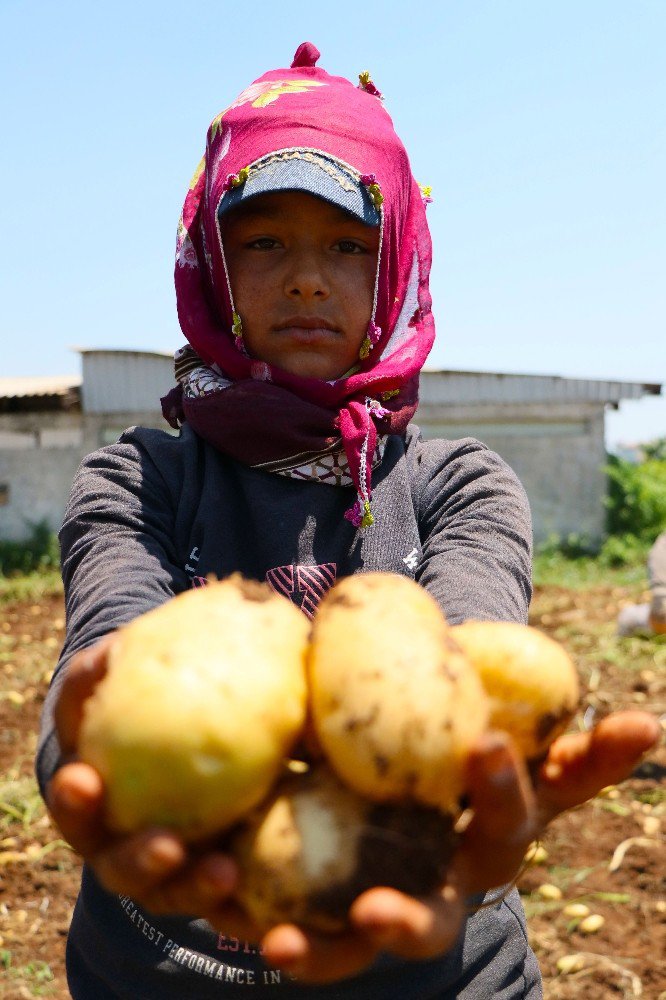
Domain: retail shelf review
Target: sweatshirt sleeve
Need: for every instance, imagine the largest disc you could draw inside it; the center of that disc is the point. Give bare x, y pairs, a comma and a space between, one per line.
118, 558
476, 534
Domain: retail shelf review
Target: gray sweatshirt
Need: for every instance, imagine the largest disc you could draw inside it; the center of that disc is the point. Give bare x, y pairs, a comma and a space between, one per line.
151, 516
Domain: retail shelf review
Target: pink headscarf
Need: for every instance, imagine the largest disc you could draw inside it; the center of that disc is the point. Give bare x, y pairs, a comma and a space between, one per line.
267, 417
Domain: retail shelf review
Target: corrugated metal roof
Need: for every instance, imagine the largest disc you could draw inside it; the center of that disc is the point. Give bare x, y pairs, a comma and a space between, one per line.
38, 385
445, 386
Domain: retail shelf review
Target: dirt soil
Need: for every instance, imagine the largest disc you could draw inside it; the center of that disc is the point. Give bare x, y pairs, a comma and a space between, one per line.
607, 855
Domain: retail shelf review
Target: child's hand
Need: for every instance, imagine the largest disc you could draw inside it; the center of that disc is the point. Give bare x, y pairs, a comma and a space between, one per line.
152, 866
509, 813
383, 919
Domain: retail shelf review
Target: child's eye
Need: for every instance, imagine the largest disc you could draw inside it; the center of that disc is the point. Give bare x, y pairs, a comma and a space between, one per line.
263, 243
350, 246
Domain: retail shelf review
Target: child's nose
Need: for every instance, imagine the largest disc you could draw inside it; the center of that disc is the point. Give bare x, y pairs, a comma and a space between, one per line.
306, 278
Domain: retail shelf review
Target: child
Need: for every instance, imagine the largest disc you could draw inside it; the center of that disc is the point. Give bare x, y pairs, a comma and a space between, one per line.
302, 284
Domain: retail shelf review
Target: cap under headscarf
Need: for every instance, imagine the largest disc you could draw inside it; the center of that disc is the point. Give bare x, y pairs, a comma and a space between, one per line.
303, 129
311, 172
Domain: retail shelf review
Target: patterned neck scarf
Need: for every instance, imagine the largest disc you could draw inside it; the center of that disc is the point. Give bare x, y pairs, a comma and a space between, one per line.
256, 412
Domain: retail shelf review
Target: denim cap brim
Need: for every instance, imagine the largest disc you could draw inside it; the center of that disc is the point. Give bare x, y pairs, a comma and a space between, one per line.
306, 171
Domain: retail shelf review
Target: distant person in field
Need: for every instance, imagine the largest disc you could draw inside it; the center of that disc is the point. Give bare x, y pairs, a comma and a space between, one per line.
649, 618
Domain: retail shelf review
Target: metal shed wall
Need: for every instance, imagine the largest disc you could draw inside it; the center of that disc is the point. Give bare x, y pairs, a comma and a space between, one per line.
550, 430
116, 381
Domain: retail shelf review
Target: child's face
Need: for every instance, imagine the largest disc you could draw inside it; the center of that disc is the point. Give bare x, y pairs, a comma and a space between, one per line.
302, 274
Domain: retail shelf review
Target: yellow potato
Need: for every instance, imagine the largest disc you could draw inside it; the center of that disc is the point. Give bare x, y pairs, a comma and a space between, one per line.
309, 850
203, 698
395, 704
529, 678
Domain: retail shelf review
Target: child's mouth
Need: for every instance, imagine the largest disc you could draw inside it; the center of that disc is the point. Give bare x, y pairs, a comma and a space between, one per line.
307, 330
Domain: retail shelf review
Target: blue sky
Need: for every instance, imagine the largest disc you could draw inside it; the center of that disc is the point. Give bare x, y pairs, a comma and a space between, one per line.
540, 126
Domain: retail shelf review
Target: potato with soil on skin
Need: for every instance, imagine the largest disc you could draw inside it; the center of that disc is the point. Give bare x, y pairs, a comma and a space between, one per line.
203, 698
394, 702
306, 853
530, 680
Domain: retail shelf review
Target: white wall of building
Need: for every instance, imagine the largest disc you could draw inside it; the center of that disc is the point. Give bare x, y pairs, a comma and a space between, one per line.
37, 470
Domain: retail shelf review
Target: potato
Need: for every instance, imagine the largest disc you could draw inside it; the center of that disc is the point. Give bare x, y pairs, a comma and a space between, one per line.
529, 678
307, 852
203, 699
395, 704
